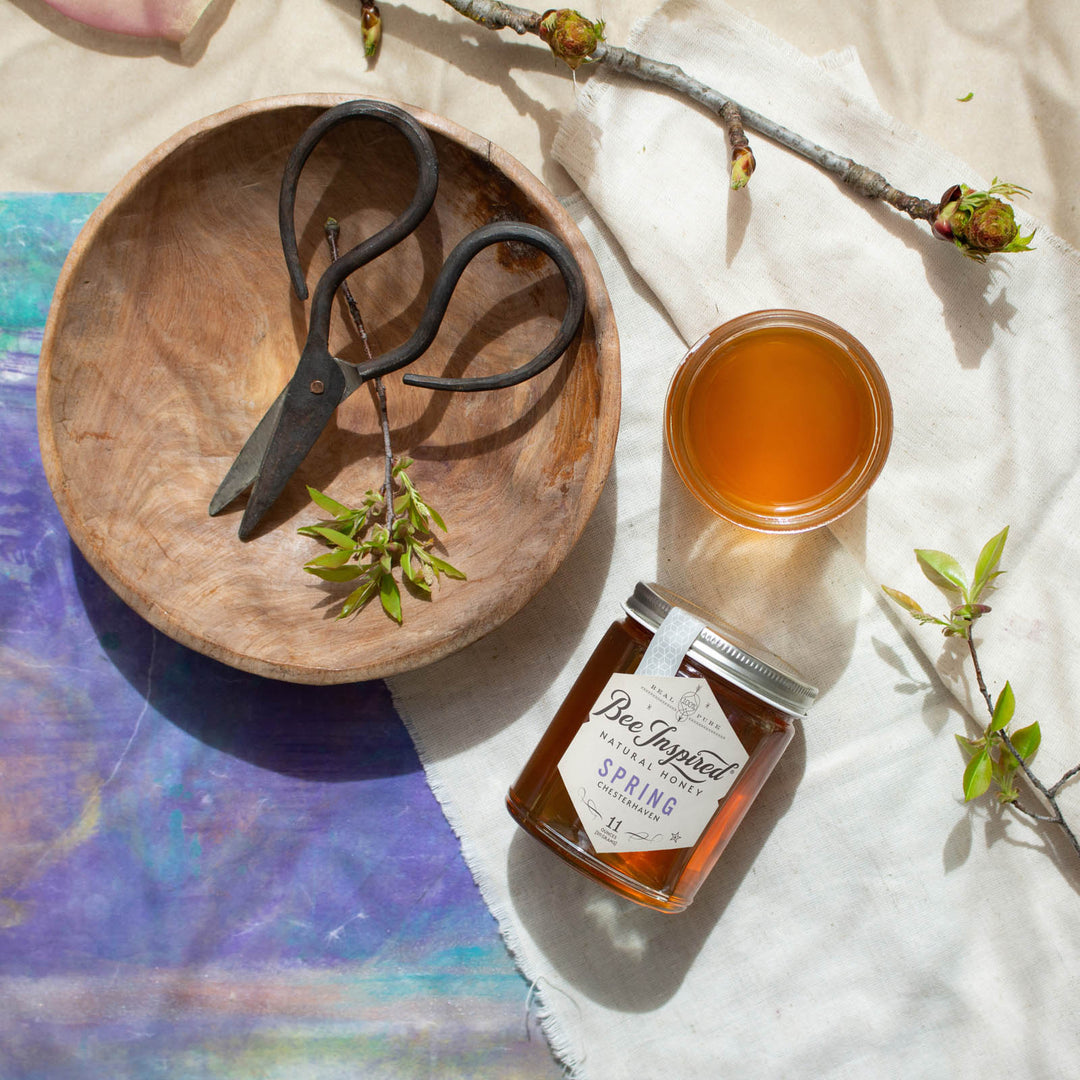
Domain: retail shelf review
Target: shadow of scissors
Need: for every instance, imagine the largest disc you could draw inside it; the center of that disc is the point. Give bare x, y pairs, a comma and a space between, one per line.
291, 426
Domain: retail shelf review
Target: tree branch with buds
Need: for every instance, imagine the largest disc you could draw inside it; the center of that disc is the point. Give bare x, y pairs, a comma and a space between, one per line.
979, 223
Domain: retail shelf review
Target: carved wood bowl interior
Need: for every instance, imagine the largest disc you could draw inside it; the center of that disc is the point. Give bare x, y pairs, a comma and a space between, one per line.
173, 328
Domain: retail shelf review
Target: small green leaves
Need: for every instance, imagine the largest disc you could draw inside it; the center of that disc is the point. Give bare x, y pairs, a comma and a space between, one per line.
990, 761
359, 597
977, 775
332, 536
943, 570
986, 568
1026, 741
333, 573
390, 595
1003, 709
331, 506
369, 542
970, 746
912, 607
444, 567
967, 97
332, 559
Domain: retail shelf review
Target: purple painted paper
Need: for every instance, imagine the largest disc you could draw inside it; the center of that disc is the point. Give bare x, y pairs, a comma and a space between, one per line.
205, 873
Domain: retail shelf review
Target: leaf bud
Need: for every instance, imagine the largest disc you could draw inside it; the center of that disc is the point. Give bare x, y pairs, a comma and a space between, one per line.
978, 222
570, 36
742, 167
370, 26
942, 224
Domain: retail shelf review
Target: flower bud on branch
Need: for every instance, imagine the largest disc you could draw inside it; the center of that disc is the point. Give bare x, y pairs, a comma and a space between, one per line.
570, 36
742, 157
978, 222
370, 27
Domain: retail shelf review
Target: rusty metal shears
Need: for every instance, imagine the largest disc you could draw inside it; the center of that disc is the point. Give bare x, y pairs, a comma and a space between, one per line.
290, 427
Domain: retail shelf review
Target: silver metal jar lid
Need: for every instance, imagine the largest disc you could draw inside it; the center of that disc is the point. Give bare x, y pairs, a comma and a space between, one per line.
724, 651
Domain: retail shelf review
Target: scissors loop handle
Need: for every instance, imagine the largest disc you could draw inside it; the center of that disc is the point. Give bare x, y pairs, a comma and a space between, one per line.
427, 164
443, 289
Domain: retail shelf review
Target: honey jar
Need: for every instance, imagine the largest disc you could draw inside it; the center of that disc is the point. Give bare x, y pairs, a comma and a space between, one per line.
659, 750
778, 421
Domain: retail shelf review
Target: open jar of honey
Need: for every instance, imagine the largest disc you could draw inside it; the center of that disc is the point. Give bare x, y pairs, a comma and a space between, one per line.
778, 421
658, 751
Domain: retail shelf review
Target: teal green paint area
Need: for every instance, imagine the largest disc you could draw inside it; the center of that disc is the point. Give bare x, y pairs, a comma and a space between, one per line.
177, 858
38, 231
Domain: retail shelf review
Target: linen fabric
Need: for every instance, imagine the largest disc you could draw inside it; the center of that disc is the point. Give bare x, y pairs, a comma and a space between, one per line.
864, 921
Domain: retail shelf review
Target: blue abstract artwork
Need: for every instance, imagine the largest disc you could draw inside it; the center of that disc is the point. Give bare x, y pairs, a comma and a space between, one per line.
204, 873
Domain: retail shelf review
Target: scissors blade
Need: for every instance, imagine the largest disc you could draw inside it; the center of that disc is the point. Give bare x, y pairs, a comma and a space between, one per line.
308, 402
245, 468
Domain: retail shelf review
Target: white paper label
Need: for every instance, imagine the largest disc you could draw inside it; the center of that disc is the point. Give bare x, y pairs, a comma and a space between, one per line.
649, 766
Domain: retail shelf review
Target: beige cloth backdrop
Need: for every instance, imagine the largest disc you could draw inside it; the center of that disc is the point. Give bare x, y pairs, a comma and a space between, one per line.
865, 923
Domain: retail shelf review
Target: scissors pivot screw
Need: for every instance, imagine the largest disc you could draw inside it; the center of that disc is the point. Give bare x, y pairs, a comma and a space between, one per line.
317, 386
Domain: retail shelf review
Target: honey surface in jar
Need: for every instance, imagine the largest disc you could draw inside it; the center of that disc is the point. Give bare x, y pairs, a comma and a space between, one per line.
778, 420
778, 417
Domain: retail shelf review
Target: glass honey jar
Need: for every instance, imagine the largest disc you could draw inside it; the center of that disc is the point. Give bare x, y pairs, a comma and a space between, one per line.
778, 421
658, 751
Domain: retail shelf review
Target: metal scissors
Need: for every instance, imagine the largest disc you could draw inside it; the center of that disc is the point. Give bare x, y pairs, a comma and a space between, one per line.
291, 426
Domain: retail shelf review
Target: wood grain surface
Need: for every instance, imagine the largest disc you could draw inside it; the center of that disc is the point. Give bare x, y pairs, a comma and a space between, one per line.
173, 328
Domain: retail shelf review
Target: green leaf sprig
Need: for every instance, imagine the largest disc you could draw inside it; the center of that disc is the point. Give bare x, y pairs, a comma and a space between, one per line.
367, 543
997, 755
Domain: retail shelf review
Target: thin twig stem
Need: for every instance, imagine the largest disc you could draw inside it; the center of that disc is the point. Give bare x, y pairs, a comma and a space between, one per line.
498, 16
1074, 771
978, 673
332, 229
730, 114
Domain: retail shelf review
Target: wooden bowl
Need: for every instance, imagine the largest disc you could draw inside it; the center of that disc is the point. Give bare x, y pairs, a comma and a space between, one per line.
173, 328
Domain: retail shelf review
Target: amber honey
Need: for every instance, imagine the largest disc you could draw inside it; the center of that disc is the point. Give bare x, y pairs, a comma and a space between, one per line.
779, 421
760, 699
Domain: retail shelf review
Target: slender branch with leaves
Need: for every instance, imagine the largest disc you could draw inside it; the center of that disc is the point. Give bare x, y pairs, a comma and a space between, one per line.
978, 223
996, 756
392, 528
364, 549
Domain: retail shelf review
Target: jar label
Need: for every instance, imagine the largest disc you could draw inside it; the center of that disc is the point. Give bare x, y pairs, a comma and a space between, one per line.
649, 766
